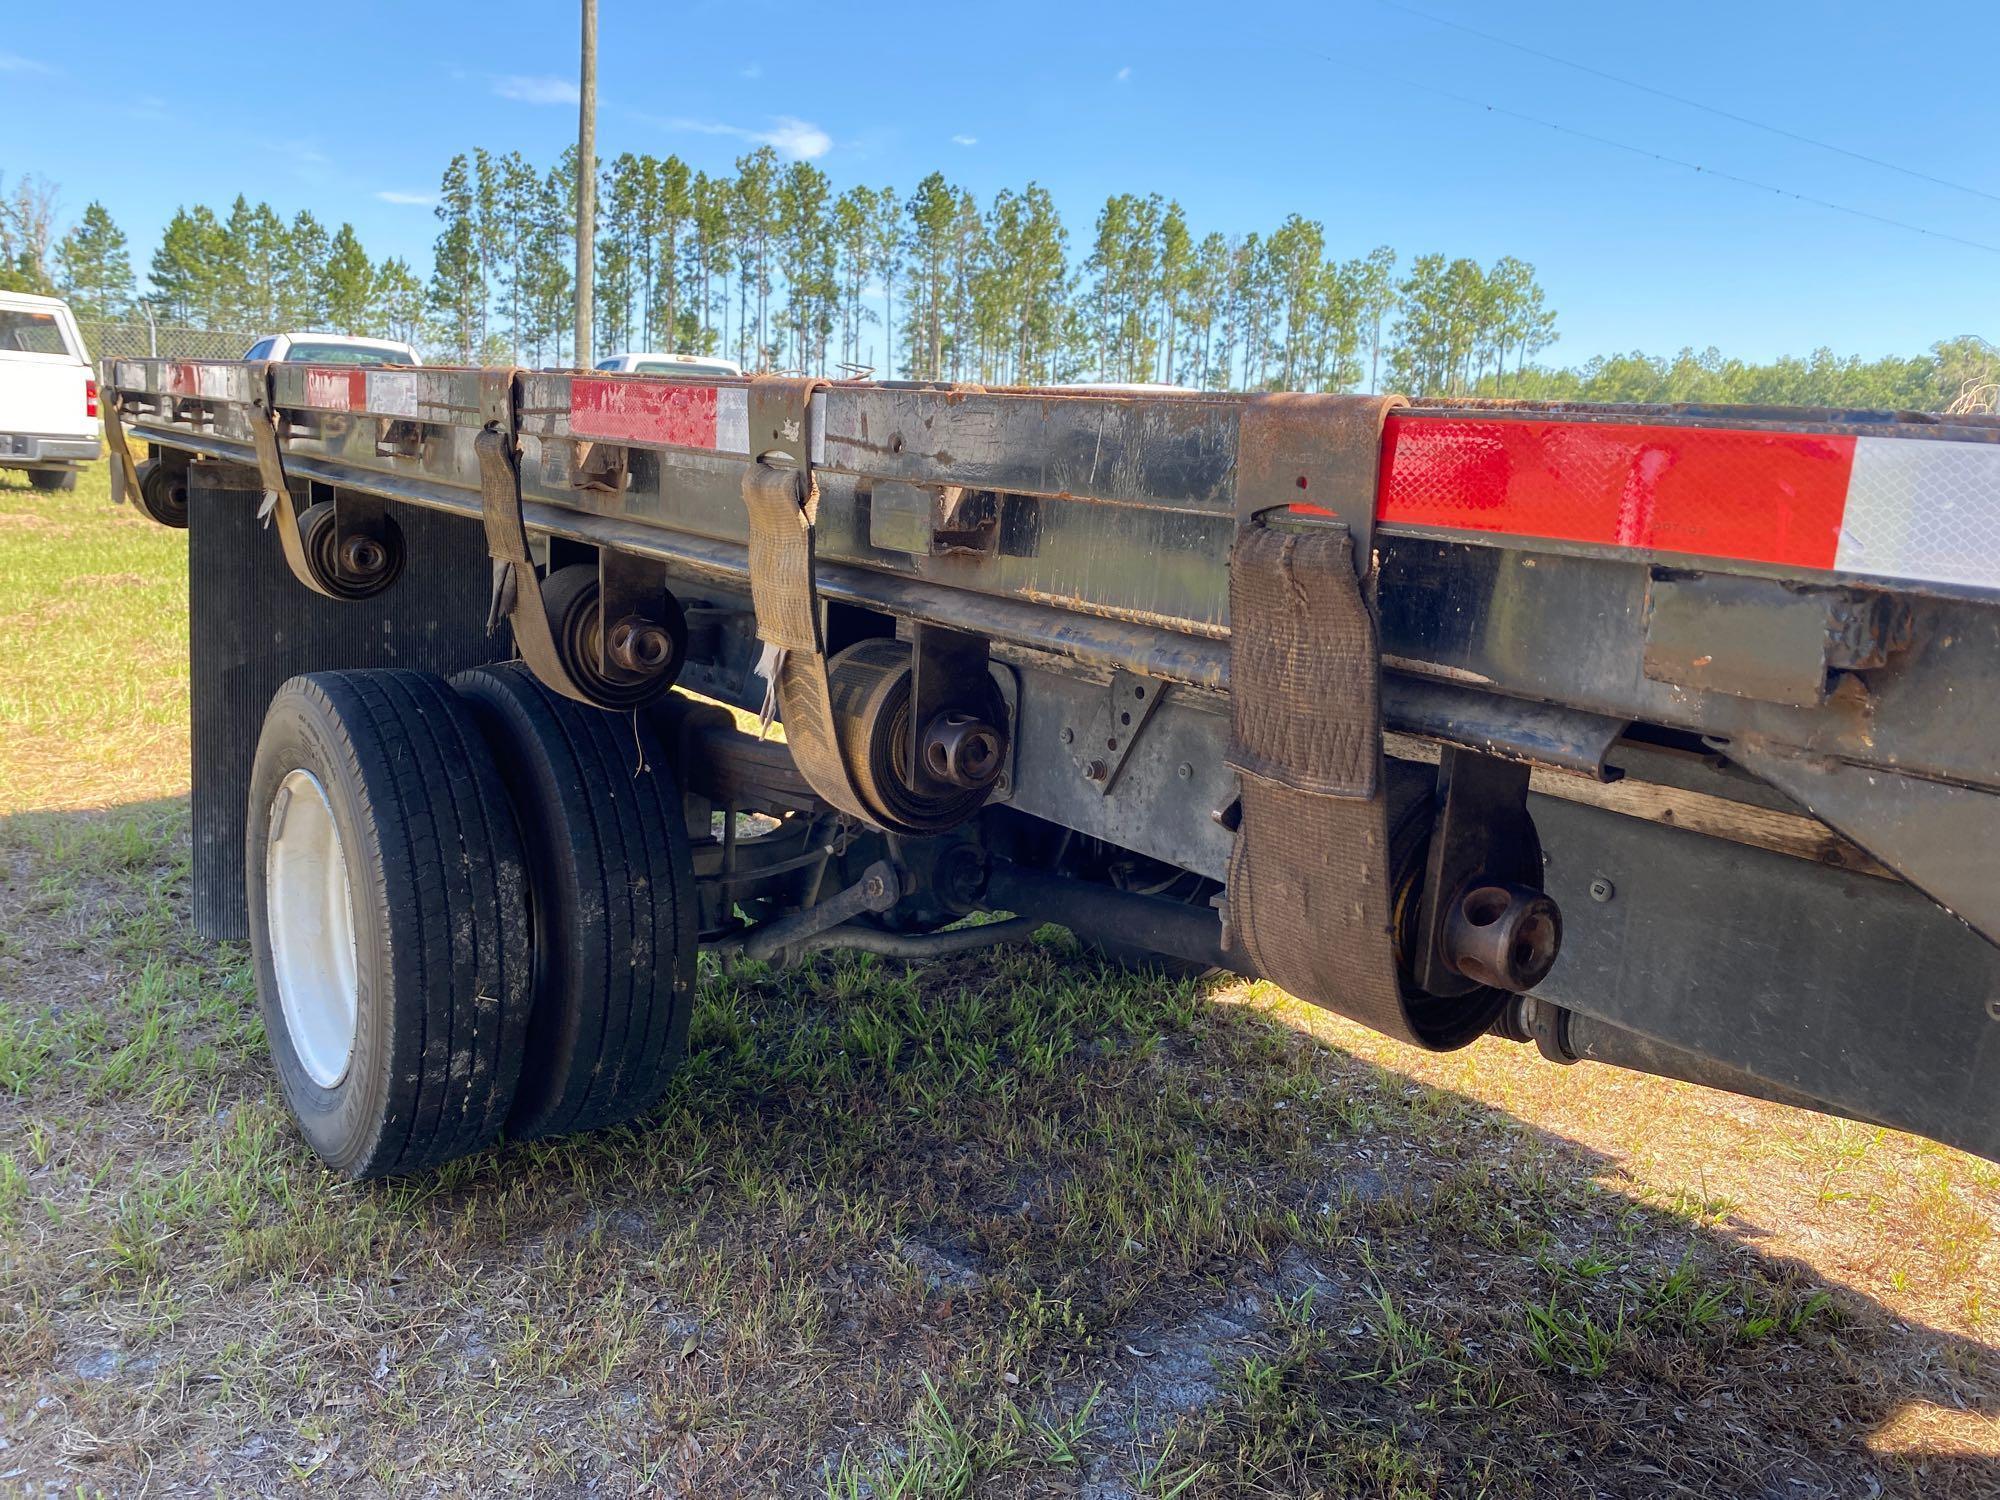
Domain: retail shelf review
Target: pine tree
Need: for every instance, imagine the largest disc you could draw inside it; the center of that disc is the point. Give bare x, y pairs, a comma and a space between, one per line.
94, 266
397, 308
1375, 298
458, 279
302, 255
933, 212
347, 284
886, 235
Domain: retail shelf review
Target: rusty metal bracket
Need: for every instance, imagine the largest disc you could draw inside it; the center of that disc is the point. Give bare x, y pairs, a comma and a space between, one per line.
1101, 751
1313, 454
947, 672
1481, 832
1765, 638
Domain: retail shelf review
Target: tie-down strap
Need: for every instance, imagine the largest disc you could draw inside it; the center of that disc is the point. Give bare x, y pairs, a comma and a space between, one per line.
278, 507
517, 592
1309, 899
124, 473
782, 500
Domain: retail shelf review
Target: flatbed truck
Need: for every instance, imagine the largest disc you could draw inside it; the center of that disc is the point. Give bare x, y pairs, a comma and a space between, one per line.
1659, 737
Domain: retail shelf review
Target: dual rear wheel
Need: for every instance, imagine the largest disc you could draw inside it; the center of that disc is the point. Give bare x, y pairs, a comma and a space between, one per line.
471, 912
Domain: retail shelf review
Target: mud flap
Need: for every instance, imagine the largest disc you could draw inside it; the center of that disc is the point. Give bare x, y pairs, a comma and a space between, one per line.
1309, 896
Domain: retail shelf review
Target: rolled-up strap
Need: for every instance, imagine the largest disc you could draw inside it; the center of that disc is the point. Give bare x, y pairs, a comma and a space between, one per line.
1309, 899
782, 501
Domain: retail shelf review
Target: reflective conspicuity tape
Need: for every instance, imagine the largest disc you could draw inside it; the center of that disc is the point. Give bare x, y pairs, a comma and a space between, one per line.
1906, 508
392, 393
337, 390
1924, 511
663, 413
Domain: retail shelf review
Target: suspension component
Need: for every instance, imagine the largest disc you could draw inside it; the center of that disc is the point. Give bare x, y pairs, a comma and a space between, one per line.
356, 565
964, 746
1502, 934
627, 667
963, 751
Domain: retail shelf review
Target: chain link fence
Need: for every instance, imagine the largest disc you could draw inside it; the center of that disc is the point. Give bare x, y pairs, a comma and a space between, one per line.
104, 340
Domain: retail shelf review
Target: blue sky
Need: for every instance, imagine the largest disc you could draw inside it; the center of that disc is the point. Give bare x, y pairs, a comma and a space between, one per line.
1358, 113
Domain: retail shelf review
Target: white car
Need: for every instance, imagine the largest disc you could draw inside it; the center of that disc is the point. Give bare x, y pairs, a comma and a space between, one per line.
668, 364
331, 349
48, 395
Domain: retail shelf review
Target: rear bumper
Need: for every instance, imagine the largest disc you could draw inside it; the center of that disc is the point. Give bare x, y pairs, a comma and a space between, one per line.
20, 448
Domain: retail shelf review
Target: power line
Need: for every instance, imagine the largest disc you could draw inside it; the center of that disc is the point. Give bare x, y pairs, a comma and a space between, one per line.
1647, 88
1375, 75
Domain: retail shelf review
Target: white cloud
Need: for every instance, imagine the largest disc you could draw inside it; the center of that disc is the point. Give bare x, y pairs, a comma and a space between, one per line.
1123, 74
965, 140
791, 136
13, 62
413, 200
151, 109
794, 137
535, 89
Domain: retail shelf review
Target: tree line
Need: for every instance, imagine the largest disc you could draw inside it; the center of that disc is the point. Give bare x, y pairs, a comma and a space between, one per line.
1957, 375
771, 266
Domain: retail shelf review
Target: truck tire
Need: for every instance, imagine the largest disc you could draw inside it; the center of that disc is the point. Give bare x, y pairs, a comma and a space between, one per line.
389, 920
52, 479
615, 911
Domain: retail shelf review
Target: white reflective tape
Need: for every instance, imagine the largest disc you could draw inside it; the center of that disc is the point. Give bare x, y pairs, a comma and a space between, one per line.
392, 393
1924, 510
213, 382
732, 419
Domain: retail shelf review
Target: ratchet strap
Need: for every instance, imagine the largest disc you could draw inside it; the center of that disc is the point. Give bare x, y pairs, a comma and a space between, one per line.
782, 499
517, 592
124, 473
1309, 900
278, 504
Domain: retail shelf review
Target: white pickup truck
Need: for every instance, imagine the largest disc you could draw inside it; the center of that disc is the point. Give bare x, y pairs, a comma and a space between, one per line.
48, 395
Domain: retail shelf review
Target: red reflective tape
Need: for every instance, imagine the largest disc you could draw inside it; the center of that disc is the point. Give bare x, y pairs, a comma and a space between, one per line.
182, 379
337, 390
1771, 497
643, 411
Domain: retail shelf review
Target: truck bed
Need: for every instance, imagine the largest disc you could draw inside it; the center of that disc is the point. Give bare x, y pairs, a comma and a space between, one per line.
1749, 654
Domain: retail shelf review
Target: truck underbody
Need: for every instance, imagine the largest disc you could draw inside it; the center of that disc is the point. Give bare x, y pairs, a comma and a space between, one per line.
1662, 738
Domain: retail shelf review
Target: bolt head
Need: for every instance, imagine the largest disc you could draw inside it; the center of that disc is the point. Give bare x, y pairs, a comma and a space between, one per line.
1184, 771
1068, 735
1602, 889
1097, 770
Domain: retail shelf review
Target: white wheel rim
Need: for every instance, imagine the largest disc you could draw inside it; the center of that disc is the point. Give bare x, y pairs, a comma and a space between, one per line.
309, 909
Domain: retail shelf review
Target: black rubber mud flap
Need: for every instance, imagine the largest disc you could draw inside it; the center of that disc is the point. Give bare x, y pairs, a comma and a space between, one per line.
253, 627
1309, 894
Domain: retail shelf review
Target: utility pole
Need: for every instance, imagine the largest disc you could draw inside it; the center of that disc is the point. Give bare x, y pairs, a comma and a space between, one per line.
586, 187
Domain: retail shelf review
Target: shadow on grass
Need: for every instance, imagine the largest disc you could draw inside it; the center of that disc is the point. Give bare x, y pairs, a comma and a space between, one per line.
1009, 1224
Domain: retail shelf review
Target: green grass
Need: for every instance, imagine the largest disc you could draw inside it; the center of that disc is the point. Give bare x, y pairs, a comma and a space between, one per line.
1016, 1224
93, 647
